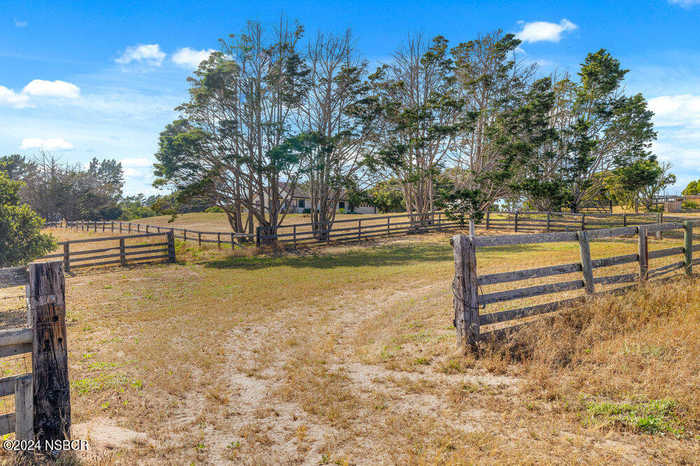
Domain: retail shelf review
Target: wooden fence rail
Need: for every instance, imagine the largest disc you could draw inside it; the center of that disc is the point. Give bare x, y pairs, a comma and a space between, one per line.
122, 254
367, 228
466, 285
42, 398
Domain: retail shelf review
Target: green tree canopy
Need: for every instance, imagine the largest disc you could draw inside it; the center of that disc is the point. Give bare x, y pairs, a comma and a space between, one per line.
21, 239
692, 188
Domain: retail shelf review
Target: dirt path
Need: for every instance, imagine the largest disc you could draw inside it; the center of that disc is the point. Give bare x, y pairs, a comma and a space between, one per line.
267, 425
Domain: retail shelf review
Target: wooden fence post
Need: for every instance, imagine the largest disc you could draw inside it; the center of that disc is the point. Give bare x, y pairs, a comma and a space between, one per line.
643, 254
218, 240
659, 220
199, 238
465, 292
359, 228
624, 220
171, 247
66, 256
51, 386
488, 219
688, 245
471, 227
233, 242
294, 235
516, 222
583, 222
549, 221
388, 226
24, 408
586, 264
122, 252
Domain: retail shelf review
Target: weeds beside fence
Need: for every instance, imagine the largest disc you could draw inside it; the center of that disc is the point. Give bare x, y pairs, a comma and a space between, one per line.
473, 325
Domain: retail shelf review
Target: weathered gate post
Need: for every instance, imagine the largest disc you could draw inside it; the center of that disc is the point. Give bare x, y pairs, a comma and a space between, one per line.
51, 387
465, 292
643, 254
688, 246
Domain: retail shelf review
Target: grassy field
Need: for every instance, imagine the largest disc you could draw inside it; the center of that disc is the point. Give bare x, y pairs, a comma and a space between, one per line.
347, 356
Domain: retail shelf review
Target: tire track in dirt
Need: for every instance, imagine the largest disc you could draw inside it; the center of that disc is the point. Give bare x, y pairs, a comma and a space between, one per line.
255, 380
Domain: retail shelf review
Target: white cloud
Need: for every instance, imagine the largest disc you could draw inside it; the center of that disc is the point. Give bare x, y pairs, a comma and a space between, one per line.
136, 162
10, 98
190, 58
21, 24
46, 144
543, 31
39, 87
147, 53
676, 110
684, 3
132, 172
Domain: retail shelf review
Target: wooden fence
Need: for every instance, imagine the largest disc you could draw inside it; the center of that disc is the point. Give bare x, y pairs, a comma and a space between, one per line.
122, 253
367, 228
42, 397
467, 283
219, 238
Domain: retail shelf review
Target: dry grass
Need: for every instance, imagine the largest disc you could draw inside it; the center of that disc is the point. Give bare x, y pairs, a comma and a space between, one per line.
348, 356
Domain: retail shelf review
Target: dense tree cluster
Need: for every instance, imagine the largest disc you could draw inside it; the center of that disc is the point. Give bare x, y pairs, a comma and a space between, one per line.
21, 239
64, 191
460, 127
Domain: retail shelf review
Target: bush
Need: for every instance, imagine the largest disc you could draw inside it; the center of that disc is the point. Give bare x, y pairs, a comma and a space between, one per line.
690, 205
214, 209
21, 240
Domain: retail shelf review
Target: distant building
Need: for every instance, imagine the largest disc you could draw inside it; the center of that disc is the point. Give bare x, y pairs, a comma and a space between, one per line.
300, 202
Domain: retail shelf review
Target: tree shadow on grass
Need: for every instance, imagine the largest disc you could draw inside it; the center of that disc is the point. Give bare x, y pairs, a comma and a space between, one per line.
381, 256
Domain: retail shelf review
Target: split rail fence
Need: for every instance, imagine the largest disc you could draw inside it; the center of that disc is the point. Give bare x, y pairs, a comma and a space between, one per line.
472, 326
121, 250
367, 228
385, 226
42, 397
217, 237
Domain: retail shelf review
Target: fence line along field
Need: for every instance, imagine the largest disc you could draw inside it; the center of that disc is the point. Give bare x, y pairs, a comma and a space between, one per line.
351, 228
354, 360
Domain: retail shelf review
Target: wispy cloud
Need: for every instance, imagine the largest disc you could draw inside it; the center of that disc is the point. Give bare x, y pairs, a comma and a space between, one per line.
190, 58
45, 144
684, 3
21, 24
9, 98
543, 31
144, 53
138, 162
676, 110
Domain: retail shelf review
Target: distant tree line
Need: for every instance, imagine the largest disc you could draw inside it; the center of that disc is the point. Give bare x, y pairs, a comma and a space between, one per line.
58, 191
463, 127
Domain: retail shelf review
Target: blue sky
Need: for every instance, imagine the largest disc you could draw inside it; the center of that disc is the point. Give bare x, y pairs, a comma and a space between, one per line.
83, 79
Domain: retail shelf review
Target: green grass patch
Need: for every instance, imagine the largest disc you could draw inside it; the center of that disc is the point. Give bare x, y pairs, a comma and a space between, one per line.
651, 417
